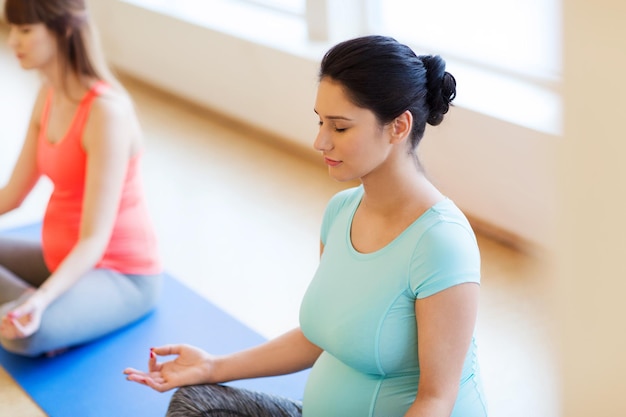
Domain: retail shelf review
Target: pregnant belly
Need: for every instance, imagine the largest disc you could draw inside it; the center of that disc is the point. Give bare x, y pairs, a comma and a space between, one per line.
334, 389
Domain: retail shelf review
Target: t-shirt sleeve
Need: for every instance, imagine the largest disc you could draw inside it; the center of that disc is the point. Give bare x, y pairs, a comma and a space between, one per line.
446, 255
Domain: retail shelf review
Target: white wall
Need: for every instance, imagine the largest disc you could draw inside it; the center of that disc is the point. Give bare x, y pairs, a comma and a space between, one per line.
590, 292
499, 172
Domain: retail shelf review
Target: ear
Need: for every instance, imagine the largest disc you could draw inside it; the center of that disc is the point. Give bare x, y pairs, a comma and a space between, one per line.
401, 127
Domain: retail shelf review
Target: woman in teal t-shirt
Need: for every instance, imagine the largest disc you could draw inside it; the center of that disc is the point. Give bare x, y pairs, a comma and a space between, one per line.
387, 323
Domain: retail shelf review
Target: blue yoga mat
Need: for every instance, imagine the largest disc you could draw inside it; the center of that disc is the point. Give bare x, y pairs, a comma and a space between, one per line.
87, 381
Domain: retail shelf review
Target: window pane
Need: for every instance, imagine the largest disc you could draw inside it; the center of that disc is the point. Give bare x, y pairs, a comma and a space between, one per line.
291, 6
240, 18
519, 36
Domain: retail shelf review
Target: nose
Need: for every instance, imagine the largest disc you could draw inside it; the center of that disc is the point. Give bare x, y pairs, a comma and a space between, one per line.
322, 141
12, 39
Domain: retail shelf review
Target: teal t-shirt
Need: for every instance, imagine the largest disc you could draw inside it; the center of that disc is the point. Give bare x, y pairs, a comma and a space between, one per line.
360, 309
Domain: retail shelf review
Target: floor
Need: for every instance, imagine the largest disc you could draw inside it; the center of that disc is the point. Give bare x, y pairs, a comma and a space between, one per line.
238, 220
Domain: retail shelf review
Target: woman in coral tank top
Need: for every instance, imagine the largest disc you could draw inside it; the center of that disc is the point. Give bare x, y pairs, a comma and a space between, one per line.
96, 267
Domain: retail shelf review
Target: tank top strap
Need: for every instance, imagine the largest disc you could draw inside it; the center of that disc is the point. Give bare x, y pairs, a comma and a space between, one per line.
43, 121
99, 87
84, 106
80, 116
96, 89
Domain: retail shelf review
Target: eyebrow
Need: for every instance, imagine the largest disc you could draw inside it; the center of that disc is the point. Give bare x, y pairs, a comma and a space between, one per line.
335, 117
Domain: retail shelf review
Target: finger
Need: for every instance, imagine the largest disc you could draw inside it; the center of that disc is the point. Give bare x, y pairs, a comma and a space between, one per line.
20, 330
5, 331
19, 311
158, 379
167, 350
137, 377
128, 371
21, 315
25, 325
152, 361
4, 322
14, 314
6, 325
146, 380
9, 331
158, 386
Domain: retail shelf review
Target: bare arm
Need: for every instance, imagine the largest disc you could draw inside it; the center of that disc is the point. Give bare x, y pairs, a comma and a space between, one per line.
285, 354
446, 325
25, 173
288, 353
107, 140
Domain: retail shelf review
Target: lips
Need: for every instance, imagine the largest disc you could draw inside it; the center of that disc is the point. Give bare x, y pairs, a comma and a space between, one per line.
331, 162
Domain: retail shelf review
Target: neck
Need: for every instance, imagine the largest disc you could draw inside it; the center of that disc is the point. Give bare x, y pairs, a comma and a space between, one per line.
65, 83
400, 183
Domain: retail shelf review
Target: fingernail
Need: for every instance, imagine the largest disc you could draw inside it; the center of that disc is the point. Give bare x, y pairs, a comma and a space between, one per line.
152, 355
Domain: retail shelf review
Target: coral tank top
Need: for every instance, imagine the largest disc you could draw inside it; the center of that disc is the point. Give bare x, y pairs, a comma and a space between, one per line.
132, 247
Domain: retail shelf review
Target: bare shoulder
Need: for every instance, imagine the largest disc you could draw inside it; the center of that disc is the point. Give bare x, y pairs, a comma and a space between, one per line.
113, 116
113, 105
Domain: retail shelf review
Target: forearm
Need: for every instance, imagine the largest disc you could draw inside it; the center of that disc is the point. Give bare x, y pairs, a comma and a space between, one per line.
433, 405
429, 408
286, 354
5, 204
10, 199
24, 176
82, 258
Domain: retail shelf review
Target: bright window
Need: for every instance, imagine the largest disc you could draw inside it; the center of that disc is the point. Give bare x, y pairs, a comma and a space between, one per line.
506, 54
297, 7
518, 37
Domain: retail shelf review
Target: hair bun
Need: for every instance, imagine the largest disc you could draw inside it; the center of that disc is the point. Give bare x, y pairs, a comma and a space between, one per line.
441, 87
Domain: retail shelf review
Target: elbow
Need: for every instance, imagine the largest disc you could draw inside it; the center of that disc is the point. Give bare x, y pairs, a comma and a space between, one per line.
6, 207
9, 204
92, 247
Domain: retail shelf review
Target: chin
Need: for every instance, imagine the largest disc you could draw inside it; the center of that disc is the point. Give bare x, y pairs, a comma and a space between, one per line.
26, 65
342, 178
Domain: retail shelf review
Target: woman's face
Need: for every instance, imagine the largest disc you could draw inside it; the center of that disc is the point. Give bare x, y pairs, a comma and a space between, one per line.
34, 45
350, 138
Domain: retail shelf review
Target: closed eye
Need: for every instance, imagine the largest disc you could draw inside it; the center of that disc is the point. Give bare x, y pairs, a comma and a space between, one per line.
335, 128
24, 28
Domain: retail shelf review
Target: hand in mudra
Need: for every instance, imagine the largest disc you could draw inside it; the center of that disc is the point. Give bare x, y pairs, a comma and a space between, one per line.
23, 320
191, 366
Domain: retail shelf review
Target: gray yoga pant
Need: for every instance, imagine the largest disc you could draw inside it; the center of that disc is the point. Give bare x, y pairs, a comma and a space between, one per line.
101, 302
227, 401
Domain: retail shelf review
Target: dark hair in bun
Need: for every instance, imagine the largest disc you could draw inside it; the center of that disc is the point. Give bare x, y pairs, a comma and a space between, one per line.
388, 78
